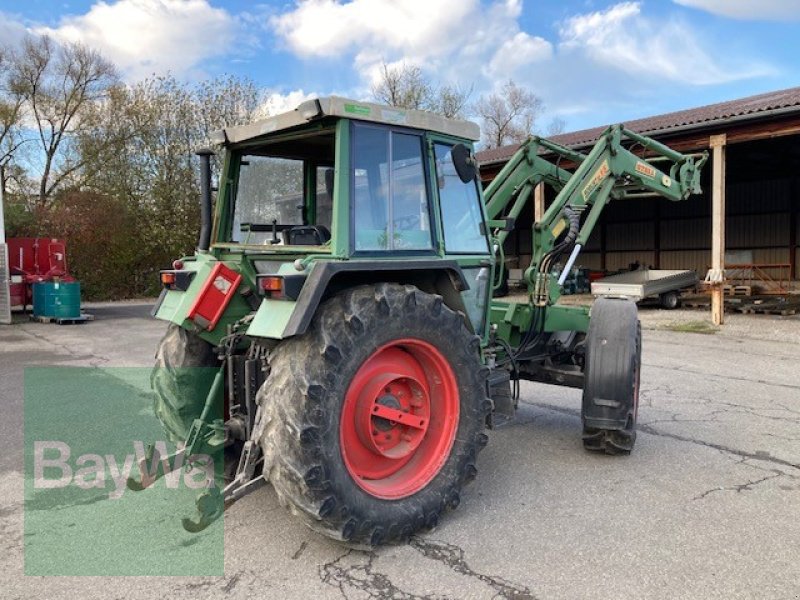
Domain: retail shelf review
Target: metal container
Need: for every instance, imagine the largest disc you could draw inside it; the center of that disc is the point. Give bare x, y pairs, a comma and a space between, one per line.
57, 299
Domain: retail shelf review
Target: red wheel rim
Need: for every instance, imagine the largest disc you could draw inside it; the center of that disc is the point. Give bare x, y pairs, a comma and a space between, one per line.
399, 419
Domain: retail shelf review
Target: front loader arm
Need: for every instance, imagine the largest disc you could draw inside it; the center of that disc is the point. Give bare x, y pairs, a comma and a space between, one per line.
510, 191
609, 171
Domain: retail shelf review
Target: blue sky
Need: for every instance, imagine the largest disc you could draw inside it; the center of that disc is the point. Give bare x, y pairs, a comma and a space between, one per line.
592, 61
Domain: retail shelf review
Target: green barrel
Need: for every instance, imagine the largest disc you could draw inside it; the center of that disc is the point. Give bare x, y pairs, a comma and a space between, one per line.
57, 299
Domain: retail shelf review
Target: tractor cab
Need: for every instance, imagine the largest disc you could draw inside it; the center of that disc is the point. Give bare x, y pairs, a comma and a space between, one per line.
341, 191
354, 177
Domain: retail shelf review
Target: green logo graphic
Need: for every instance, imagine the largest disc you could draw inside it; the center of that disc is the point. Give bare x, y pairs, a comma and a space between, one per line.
87, 431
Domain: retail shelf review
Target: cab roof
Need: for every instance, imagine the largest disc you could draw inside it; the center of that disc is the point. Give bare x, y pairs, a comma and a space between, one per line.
334, 106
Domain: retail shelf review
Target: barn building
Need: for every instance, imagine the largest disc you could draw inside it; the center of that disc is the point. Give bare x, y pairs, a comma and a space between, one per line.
746, 219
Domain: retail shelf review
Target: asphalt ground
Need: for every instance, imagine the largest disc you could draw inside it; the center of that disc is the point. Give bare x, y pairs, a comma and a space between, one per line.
707, 506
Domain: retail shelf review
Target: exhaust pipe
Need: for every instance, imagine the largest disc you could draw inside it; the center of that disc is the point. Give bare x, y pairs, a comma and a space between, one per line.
204, 242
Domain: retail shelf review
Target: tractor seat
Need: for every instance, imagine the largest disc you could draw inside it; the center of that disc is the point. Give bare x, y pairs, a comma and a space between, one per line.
307, 235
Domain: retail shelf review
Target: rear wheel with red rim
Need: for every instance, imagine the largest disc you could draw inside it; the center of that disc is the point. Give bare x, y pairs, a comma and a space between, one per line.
399, 419
375, 416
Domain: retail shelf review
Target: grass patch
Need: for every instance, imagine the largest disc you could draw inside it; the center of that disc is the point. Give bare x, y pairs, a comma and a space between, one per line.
692, 327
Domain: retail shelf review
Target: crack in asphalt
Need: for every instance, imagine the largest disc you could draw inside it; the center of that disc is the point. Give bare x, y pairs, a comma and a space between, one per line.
96, 361
226, 584
739, 487
723, 377
300, 550
758, 455
452, 556
361, 578
231, 583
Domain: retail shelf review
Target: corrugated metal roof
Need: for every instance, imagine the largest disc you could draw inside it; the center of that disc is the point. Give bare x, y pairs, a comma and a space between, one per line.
700, 117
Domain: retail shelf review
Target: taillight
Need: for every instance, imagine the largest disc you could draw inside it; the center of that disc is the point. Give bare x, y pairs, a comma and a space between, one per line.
177, 264
271, 286
176, 280
280, 287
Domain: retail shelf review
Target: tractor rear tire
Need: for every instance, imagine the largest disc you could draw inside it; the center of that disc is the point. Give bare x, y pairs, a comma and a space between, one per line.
180, 386
611, 377
353, 475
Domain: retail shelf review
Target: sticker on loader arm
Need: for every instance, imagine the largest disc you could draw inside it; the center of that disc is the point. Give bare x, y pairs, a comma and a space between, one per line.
595, 181
646, 170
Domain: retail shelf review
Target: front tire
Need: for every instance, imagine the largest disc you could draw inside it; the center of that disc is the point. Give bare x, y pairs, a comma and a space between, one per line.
611, 377
374, 417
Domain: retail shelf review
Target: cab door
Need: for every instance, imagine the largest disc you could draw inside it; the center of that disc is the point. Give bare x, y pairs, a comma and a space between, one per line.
462, 221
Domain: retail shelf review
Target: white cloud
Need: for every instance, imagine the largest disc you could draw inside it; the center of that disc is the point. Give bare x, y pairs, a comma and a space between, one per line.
328, 27
456, 40
619, 59
621, 38
516, 52
150, 36
12, 31
762, 10
276, 102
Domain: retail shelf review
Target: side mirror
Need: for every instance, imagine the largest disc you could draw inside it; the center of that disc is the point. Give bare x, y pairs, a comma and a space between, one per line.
464, 162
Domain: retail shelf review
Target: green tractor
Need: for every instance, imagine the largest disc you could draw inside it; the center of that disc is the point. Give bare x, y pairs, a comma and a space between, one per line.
341, 297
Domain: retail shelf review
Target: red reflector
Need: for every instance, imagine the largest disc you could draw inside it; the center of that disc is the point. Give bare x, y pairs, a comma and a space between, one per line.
177, 264
214, 296
271, 284
168, 278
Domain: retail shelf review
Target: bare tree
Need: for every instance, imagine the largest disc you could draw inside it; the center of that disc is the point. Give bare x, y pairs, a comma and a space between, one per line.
403, 86
451, 101
58, 84
557, 126
11, 102
225, 102
510, 116
10, 109
406, 86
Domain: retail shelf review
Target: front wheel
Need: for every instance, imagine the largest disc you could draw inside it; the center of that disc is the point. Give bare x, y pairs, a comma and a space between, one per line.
611, 377
374, 417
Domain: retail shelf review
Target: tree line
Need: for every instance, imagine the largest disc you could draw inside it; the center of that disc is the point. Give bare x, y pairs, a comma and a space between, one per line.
110, 165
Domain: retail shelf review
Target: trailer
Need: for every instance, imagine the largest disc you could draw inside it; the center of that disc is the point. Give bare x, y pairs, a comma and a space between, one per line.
665, 285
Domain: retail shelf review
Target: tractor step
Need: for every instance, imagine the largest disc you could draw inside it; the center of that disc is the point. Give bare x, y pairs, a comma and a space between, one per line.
63, 320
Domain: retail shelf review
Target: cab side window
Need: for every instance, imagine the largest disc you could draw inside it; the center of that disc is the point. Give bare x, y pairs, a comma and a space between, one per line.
460, 206
391, 208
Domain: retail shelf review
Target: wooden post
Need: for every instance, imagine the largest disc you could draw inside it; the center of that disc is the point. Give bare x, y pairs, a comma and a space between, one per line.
538, 202
793, 225
657, 236
717, 273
